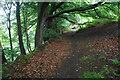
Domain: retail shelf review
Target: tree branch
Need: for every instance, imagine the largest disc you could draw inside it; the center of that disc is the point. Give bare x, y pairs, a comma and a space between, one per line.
97, 13
109, 8
76, 9
72, 21
57, 6
67, 19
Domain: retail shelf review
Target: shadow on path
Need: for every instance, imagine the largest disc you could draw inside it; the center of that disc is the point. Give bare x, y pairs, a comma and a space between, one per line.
73, 67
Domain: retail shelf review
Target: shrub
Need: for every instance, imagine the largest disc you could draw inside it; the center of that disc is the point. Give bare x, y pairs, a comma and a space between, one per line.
50, 33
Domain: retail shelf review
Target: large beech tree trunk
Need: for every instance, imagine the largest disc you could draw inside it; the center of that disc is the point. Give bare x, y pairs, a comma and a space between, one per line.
42, 16
22, 49
2, 56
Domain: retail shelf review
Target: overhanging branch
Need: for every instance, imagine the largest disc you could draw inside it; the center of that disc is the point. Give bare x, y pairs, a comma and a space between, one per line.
109, 8
67, 19
58, 6
74, 22
76, 9
97, 13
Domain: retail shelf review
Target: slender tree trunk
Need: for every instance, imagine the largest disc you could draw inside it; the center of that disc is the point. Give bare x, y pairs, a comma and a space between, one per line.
22, 49
42, 16
2, 58
9, 24
28, 42
9, 29
26, 31
11, 46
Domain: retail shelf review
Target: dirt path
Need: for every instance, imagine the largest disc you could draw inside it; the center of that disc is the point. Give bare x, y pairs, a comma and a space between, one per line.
81, 47
76, 53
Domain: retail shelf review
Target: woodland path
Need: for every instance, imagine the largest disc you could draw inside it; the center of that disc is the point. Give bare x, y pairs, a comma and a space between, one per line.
75, 54
87, 44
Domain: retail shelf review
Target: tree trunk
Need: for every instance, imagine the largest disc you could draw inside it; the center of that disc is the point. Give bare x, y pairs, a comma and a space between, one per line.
28, 42
49, 21
22, 49
2, 58
26, 31
11, 46
9, 29
9, 24
42, 16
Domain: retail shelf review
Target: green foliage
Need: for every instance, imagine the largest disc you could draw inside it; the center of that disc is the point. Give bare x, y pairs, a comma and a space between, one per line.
5, 69
89, 44
108, 72
5, 72
46, 42
31, 11
92, 75
11, 53
87, 58
99, 50
104, 73
101, 58
26, 57
116, 62
50, 33
105, 70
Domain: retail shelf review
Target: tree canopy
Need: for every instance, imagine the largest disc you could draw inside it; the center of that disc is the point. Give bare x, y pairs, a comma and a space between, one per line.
28, 25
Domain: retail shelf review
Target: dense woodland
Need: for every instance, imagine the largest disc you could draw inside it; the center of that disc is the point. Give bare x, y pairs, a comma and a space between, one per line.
30, 28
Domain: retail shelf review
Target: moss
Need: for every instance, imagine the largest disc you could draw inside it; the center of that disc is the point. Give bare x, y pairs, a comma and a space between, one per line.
5, 69
46, 42
26, 57
22, 61
5, 72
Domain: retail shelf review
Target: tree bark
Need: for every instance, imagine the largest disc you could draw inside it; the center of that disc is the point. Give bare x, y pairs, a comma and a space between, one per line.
2, 58
11, 46
57, 6
26, 30
22, 49
42, 16
28, 42
10, 33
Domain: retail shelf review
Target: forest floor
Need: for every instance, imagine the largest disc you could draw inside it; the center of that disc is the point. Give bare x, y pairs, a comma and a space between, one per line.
76, 55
